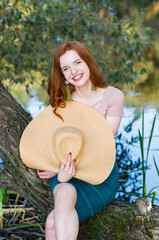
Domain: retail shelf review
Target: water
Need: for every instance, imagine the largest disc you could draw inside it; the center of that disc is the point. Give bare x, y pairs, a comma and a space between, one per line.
152, 178
34, 106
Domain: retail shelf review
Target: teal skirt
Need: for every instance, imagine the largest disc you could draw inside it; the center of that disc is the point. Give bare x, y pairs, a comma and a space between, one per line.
91, 199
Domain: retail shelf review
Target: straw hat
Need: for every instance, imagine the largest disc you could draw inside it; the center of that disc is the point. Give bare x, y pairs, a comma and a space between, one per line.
47, 140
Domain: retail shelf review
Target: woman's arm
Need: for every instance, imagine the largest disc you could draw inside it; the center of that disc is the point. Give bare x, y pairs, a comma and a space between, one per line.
45, 174
114, 122
115, 108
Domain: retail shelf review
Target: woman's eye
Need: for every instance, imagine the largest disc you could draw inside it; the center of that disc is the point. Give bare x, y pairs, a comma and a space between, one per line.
65, 69
78, 62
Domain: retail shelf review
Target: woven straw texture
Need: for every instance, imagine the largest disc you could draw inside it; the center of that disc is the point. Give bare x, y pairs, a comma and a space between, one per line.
47, 140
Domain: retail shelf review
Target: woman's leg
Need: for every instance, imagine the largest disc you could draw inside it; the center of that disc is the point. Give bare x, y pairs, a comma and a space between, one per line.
50, 227
65, 216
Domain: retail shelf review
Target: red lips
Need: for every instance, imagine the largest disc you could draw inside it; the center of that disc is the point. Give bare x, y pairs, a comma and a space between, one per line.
77, 76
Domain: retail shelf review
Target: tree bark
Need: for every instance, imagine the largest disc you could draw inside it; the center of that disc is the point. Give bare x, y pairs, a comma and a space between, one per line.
120, 221
117, 221
14, 175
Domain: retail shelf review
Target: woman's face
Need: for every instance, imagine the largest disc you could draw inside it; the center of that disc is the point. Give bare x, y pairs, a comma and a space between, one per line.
74, 69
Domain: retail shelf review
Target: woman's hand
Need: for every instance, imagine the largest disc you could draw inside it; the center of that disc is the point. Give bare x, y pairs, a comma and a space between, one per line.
67, 171
45, 174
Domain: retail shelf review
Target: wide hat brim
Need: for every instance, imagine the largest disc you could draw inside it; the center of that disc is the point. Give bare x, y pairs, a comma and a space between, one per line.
96, 157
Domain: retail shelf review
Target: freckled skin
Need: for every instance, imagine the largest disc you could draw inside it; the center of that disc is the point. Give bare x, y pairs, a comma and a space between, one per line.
73, 66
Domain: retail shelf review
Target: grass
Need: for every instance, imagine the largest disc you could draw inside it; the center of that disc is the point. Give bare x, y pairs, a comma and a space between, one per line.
145, 160
16, 213
144, 163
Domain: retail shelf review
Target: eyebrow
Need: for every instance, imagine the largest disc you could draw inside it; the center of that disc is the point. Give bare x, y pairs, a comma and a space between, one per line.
73, 62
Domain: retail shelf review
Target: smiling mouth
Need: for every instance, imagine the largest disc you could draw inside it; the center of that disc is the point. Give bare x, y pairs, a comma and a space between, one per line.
78, 77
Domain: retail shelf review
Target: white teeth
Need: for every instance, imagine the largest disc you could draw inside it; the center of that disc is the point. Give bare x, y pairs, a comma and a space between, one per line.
78, 76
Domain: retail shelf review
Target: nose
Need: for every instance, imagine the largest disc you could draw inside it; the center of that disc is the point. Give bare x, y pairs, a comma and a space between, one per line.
73, 69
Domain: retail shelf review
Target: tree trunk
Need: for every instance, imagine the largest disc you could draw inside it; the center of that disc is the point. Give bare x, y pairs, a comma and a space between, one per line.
117, 221
15, 175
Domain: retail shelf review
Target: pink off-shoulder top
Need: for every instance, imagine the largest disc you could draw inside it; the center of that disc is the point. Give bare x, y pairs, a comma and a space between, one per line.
111, 102
108, 101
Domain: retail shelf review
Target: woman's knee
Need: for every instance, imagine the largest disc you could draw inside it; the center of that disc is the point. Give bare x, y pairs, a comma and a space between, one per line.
65, 195
49, 225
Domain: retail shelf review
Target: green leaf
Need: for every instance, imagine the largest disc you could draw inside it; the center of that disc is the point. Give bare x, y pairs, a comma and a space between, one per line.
17, 226
157, 169
153, 189
141, 145
143, 70
15, 3
1, 199
150, 138
153, 198
130, 25
136, 36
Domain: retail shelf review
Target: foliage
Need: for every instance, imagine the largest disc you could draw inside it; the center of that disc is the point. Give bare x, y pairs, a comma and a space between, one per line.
30, 31
145, 161
17, 212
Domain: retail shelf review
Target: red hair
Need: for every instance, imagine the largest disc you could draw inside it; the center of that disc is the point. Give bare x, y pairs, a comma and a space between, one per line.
56, 84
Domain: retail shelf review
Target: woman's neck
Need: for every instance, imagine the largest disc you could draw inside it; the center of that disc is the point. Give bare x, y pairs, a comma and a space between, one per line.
84, 91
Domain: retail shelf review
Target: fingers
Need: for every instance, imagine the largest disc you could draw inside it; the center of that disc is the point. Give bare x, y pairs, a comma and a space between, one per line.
41, 173
68, 171
44, 174
62, 166
72, 168
73, 164
68, 161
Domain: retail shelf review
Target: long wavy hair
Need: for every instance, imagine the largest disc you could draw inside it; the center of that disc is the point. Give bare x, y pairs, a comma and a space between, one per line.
56, 85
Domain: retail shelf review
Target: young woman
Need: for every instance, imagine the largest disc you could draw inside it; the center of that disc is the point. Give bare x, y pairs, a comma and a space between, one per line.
76, 200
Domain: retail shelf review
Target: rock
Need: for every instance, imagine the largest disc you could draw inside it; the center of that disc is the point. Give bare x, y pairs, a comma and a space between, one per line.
143, 206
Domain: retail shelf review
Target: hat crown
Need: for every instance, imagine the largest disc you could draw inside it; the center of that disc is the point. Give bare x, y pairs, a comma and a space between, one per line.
67, 139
